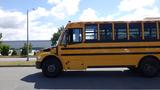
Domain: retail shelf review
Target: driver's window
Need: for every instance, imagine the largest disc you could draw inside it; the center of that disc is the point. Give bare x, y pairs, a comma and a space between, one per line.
75, 36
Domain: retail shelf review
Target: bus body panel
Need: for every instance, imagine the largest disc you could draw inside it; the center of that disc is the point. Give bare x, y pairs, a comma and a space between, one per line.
83, 55
79, 56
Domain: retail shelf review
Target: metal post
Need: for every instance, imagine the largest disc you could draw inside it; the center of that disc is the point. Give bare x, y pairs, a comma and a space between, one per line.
27, 35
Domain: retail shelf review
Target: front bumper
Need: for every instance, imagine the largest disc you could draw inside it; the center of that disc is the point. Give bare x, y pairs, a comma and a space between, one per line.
38, 65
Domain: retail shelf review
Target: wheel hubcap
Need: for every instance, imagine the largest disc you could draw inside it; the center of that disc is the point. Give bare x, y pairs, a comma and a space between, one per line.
51, 68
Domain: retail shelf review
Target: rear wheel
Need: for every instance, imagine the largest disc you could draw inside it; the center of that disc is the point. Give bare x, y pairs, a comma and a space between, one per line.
149, 67
51, 67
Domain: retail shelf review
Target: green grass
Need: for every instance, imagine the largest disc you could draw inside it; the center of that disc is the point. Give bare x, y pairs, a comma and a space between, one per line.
18, 63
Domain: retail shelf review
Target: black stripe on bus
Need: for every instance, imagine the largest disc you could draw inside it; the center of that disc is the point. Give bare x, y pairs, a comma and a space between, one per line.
112, 66
81, 48
97, 54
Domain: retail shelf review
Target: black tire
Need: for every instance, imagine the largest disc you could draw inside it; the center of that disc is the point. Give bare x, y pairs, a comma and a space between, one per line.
149, 67
51, 67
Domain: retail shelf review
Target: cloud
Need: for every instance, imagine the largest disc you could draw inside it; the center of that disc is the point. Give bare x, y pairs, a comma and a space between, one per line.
37, 13
141, 13
137, 9
42, 31
13, 25
10, 19
13, 34
90, 14
64, 8
126, 10
130, 5
54, 1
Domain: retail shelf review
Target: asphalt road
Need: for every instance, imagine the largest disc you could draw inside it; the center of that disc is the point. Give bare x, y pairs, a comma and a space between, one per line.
29, 78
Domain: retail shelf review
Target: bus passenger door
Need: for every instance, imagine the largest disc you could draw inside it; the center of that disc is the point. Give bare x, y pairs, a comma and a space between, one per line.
69, 52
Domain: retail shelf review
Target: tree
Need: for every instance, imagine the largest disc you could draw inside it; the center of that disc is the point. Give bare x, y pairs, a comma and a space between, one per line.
0, 37
5, 50
56, 35
14, 53
24, 49
0, 41
30, 48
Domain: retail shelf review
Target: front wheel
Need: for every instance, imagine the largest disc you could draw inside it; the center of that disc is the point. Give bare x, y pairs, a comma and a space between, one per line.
51, 67
149, 67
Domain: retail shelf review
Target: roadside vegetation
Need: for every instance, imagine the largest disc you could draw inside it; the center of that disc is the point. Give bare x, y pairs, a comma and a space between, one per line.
4, 49
7, 51
24, 49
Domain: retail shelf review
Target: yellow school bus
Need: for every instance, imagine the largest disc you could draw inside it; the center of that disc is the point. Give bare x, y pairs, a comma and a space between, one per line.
82, 45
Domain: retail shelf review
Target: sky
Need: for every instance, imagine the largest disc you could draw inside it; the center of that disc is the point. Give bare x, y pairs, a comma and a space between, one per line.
45, 16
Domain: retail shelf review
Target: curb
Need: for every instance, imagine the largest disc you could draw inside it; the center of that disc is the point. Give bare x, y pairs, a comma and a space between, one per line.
18, 66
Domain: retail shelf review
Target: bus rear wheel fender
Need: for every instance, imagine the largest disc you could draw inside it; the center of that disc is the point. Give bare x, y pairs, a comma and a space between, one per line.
51, 67
149, 66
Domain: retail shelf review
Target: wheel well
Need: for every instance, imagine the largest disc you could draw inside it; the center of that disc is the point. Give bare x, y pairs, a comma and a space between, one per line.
149, 56
53, 57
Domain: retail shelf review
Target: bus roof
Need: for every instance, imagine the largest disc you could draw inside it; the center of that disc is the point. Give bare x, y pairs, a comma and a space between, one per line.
81, 23
114, 21
145, 20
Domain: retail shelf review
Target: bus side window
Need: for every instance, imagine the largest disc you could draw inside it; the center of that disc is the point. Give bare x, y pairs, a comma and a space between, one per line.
75, 36
105, 31
135, 31
150, 31
120, 31
91, 32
